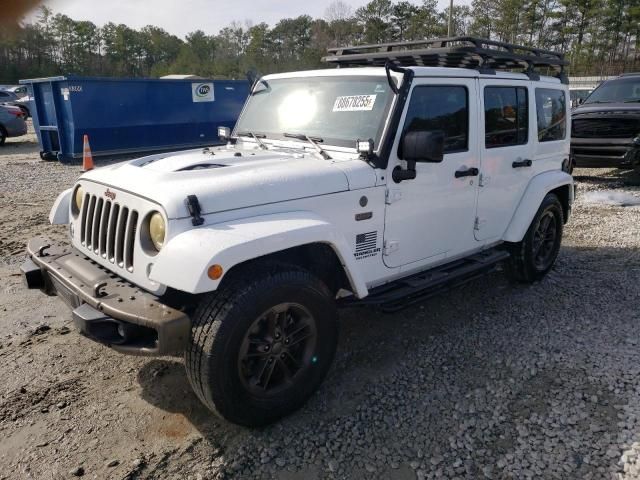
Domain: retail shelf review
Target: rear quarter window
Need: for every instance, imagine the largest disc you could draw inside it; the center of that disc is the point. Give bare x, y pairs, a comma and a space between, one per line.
551, 111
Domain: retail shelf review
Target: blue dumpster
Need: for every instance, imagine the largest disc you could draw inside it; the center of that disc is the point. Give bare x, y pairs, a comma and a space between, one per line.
130, 115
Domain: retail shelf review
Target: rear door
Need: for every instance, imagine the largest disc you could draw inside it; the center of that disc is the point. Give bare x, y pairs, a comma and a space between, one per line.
552, 140
506, 152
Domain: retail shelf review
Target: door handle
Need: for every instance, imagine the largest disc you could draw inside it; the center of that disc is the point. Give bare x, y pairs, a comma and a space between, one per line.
469, 172
522, 163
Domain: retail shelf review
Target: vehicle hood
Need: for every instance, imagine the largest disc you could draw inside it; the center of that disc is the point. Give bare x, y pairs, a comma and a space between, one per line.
608, 108
226, 178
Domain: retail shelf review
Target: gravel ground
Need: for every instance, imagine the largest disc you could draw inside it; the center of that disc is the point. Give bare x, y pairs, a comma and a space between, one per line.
493, 380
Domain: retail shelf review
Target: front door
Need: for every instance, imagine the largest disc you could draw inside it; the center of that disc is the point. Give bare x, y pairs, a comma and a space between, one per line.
431, 217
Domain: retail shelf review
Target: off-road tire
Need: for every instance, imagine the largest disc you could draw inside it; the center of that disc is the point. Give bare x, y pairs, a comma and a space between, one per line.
521, 266
223, 319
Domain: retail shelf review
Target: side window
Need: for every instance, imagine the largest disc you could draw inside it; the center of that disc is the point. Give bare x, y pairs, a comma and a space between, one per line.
506, 116
441, 107
552, 113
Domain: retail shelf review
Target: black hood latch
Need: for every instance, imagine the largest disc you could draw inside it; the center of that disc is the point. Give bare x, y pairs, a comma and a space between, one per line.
193, 205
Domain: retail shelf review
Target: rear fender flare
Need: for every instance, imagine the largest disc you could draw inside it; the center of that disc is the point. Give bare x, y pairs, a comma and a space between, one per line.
537, 189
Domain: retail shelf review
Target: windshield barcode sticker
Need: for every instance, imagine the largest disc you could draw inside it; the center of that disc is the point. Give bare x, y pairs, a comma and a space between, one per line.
354, 103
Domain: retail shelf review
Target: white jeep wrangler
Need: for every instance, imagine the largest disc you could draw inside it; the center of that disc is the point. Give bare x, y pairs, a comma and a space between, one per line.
373, 185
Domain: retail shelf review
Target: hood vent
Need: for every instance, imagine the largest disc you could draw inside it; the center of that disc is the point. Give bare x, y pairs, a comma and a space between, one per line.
201, 166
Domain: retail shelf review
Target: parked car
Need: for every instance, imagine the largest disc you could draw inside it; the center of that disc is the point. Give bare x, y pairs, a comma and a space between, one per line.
18, 90
605, 129
375, 186
8, 97
12, 123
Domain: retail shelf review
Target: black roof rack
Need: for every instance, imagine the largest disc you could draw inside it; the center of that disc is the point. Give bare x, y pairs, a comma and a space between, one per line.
459, 52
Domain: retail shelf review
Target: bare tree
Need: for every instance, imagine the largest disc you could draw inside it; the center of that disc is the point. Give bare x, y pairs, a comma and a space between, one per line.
337, 11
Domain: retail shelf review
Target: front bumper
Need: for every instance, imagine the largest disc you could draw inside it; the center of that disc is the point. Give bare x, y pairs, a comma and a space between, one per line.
105, 307
605, 152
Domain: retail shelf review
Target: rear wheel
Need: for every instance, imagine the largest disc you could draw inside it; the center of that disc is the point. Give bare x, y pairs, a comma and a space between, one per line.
534, 256
3, 135
262, 345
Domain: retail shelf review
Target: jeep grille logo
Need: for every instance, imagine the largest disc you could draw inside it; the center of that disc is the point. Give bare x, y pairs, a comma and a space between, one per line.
110, 194
203, 90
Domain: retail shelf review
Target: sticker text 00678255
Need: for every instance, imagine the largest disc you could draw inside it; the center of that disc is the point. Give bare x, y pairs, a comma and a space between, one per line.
354, 103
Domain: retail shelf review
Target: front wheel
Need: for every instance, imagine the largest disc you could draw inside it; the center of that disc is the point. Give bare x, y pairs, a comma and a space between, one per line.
534, 256
3, 136
262, 344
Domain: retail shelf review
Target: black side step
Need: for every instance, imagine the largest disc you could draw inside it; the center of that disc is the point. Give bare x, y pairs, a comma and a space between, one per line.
400, 294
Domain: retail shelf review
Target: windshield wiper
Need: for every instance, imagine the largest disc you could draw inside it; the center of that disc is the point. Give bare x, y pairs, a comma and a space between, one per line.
256, 136
632, 100
312, 140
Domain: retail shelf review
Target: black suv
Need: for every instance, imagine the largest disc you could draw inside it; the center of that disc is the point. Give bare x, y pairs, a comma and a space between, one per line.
605, 129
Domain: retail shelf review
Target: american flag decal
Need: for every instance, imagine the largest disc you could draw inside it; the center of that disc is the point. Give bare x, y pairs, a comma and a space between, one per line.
366, 241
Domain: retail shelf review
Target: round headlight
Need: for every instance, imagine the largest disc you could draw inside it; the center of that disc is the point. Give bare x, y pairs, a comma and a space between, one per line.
77, 199
157, 230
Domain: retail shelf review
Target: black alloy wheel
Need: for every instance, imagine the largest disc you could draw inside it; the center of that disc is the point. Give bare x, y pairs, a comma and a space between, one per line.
277, 349
544, 240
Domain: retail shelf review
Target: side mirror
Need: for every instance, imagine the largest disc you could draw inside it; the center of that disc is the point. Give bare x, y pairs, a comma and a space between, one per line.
423, 146
419, 146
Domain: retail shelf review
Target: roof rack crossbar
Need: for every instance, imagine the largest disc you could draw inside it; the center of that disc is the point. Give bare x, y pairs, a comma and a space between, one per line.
462, 52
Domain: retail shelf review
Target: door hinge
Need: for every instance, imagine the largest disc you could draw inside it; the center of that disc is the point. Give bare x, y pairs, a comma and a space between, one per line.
484, 180
393, 195
477, 225
390, 246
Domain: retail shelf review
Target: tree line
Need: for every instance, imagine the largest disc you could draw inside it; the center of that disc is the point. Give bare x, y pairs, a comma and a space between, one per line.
599, 37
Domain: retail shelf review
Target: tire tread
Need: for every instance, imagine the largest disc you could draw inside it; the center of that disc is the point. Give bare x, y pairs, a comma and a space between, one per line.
210, 325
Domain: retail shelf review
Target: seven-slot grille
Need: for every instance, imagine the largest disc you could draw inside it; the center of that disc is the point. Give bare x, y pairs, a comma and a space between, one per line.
109, 229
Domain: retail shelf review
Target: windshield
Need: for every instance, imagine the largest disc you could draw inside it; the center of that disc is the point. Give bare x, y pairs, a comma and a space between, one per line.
331, 110
619, 90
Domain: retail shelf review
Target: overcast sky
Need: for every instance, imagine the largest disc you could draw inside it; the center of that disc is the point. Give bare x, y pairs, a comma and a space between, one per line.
183, 16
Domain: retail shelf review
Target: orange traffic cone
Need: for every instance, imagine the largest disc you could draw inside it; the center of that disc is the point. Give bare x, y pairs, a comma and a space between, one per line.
87, 158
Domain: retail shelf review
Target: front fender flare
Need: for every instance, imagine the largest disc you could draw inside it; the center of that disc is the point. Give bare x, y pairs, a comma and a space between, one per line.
538, 187
183, 262
59, 214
